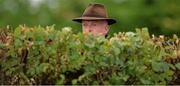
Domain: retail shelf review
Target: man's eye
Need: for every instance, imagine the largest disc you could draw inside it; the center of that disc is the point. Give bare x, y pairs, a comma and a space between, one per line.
84, 24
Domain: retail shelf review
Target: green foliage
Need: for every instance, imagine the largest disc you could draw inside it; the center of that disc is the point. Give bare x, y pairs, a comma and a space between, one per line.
47, 56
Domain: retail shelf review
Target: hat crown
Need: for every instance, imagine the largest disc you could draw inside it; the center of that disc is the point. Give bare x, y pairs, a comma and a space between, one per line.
95, 10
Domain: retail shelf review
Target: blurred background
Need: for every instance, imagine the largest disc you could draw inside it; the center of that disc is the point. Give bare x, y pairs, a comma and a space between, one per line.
160, 16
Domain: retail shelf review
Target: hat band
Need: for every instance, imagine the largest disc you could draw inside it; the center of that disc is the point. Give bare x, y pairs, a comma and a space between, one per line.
92, 15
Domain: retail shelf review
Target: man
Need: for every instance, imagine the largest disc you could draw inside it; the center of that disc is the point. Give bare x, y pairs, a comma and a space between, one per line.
95, 20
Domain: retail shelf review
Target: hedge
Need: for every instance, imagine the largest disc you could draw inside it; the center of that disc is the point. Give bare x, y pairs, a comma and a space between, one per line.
41, 56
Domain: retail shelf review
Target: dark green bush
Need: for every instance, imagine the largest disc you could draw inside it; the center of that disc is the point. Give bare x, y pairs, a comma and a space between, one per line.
47, 56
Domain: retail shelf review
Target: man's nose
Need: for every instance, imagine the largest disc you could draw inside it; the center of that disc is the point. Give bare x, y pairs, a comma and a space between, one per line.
85, 30
89, 28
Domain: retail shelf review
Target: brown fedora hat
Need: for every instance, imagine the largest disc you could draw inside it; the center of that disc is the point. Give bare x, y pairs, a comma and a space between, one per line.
95, 12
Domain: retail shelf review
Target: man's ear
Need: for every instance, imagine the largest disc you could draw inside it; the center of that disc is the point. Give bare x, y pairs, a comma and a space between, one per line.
107, 29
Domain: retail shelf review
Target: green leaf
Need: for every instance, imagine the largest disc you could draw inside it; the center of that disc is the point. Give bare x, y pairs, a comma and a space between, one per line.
177, 66
97, 83
45, 67
17, 31
2, 45
74, 81
61, 80
40, 36
18, 43
116, 51
159, 66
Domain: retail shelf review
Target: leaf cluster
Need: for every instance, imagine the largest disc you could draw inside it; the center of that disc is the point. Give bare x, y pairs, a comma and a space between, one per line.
47, 56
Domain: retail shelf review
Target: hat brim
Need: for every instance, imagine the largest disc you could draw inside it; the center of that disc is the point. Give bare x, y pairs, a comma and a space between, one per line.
109, 20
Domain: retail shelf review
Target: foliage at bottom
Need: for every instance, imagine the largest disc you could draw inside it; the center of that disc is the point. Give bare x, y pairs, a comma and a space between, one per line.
40, 55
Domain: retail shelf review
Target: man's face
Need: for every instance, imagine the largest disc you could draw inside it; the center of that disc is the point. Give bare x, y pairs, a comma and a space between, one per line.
95, 27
